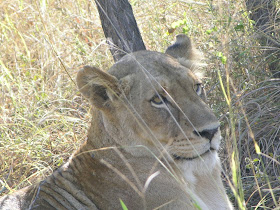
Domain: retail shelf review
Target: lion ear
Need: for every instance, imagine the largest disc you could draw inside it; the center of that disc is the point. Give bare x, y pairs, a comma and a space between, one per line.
185, 53
97, 86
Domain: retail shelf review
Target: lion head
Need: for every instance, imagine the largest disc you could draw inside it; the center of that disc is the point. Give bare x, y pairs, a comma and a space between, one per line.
155, 100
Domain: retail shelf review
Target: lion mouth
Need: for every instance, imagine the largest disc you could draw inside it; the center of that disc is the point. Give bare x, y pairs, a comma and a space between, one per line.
177, 157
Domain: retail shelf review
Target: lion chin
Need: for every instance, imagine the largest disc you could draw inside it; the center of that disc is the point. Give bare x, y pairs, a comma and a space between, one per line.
152, 142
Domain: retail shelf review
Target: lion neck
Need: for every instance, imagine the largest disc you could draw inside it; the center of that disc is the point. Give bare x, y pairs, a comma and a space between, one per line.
99, 152
104, 141
98, 137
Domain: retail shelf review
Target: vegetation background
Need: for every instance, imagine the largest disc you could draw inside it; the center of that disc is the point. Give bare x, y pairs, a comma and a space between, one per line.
43, 117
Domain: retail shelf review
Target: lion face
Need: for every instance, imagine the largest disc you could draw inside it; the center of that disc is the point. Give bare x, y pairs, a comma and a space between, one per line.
150, 99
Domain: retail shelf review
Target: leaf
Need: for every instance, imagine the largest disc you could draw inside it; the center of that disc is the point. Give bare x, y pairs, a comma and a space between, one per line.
222, 57
177, 23
239, 27
209, 31
186, 30
123, 205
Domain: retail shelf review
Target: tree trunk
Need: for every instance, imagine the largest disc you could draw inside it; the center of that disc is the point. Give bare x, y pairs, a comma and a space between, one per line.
120, 27
267, 24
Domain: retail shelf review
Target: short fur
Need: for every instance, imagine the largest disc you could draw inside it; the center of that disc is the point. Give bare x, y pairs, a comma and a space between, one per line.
152, 143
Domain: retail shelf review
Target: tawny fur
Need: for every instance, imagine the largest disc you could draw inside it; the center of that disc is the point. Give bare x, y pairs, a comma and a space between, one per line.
152, 142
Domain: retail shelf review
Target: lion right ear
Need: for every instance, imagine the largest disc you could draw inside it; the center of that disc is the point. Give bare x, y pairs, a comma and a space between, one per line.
97, 86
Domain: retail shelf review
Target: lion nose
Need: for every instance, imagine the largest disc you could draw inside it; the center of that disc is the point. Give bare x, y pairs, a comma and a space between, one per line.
207, 133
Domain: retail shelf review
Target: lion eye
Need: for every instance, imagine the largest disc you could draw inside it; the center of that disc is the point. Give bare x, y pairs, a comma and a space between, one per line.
198, 88
157, 101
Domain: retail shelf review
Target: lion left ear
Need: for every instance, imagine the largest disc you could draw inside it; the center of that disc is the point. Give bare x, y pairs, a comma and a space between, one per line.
185, 53
97, 86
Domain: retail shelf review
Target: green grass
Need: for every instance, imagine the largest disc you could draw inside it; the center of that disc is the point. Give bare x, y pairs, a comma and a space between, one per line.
44, 119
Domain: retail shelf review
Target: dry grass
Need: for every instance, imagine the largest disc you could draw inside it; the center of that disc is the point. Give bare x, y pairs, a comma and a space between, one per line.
44, 118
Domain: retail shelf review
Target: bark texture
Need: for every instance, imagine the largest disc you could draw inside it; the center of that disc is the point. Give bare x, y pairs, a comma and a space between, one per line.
120, 27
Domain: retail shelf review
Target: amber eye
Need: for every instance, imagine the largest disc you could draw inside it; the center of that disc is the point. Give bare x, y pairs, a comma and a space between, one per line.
157, 100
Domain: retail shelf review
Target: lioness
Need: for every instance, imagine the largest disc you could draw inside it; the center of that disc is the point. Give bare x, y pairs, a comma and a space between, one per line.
152, 143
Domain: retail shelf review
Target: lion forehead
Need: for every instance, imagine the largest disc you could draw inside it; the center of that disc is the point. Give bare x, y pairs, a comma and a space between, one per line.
148, 62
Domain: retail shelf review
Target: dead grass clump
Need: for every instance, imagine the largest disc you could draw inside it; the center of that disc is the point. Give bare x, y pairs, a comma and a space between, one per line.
260, 171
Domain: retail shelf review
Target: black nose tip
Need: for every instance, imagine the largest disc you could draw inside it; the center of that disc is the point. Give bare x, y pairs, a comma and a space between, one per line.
207, 133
